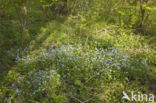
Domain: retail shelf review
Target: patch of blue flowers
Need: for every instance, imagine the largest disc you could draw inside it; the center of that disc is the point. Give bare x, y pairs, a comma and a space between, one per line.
70, 66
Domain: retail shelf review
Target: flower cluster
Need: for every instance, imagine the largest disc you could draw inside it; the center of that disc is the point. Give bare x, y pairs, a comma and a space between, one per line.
72, 68
36, 82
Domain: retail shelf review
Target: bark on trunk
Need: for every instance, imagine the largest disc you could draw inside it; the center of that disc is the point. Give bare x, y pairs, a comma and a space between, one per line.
45, 13
23, 22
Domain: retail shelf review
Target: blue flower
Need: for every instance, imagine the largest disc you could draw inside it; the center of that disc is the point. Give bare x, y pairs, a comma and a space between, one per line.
28, 82
17, 90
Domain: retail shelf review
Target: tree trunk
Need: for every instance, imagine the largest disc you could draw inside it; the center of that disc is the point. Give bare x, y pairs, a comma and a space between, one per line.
24, 25
23, 37
143, 11
45, 13
23, 22
2, 13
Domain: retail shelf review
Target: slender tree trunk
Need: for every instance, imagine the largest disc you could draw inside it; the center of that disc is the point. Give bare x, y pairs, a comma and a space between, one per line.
23, 37
24, 25
143, 11
144, 16
45, 13
23, 22
2, 13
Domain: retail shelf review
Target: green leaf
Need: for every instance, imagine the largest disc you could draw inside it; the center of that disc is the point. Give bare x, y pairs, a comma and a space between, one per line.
78, 82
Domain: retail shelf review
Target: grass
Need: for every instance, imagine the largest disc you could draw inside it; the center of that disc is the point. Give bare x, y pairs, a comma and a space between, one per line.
82, 40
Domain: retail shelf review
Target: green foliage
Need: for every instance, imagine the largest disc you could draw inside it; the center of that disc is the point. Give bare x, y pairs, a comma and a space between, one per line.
93, 53
79, 74
48, 3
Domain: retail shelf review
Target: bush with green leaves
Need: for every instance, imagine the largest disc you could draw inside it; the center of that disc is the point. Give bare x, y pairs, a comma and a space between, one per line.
70, 74
36, 85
